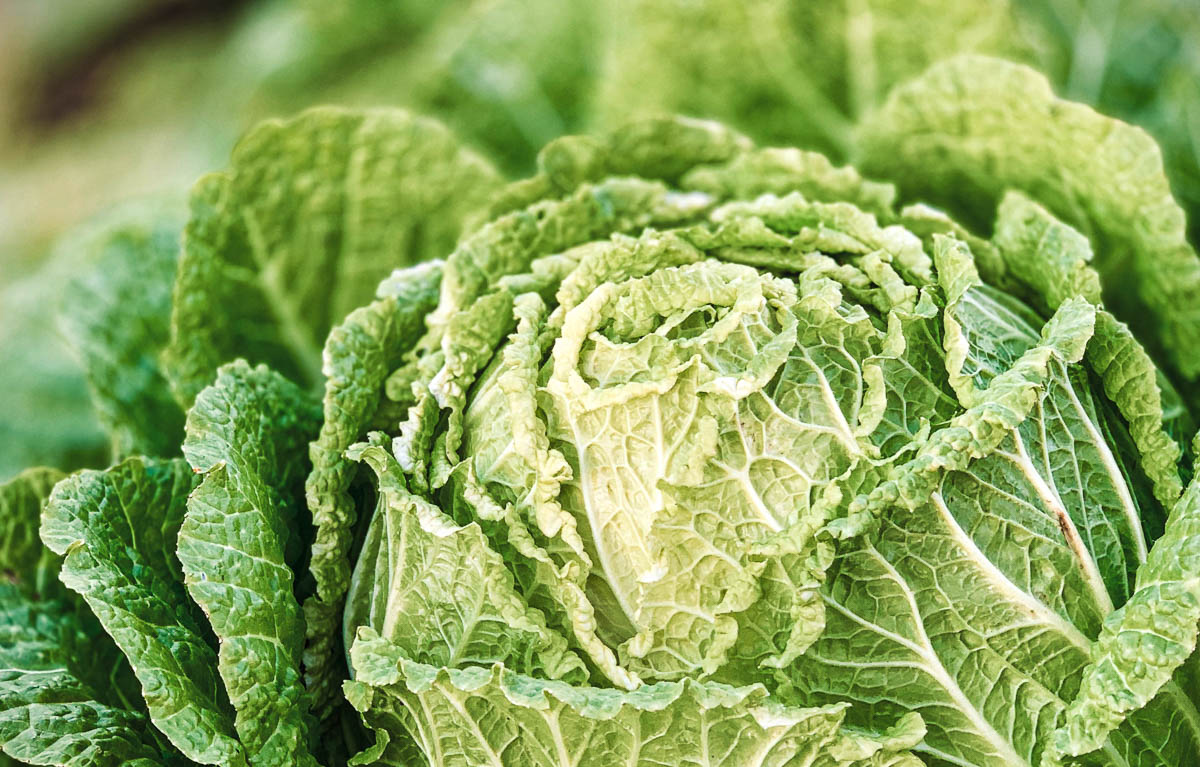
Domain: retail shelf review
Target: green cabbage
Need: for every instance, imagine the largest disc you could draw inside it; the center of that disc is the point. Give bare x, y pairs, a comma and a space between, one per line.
683, 450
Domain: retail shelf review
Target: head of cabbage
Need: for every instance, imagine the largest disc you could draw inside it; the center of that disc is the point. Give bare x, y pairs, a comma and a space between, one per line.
712, 455
688, 452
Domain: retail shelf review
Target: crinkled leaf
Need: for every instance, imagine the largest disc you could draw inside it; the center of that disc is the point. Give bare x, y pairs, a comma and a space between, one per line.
985, 579
67, 694
247, 436
116, 530
63, 688
116, 314
440, 593
474, 311
689, 448
508, 76
782, 171
311, 215
360, 354
47, 418
1141, 70
971, 127
788, 73
1052, 260
1146, 641
24, 560
491, 715
723, 404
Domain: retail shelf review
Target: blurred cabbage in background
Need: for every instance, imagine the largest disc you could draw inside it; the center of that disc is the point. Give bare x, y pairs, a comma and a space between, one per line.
106, 100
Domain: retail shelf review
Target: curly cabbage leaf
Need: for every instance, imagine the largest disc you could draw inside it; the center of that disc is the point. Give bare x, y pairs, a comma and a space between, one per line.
23, 559
966, 126
312, 214
116, 531
64, 692
115, 314
246, 437
479, 715
1144, 643
360, 354
787, 73
67, 695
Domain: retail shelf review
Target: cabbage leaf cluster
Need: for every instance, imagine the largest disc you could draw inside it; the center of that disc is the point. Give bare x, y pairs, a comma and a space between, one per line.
683, 450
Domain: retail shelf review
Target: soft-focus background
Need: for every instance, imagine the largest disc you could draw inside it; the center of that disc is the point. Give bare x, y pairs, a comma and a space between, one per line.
104, 101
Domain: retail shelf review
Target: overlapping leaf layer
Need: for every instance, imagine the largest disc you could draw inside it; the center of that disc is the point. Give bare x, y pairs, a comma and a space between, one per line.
688, 452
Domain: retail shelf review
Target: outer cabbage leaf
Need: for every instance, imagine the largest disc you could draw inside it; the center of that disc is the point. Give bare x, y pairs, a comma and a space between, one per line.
116, 531
247, 435
312, 214
360, 354
481, 715
1053, 261
64, 692
760, 65
984, 579
698, 155
23, 558
1083, 482
116, 314
47, 419
1146, 641
972, 127
1140, 68
67, 695
508, 75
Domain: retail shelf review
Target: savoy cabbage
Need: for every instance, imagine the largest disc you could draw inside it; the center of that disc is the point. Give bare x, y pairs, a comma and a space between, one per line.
681, 451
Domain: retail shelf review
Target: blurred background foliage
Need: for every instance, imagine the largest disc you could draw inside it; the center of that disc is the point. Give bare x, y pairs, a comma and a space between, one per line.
106, 100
